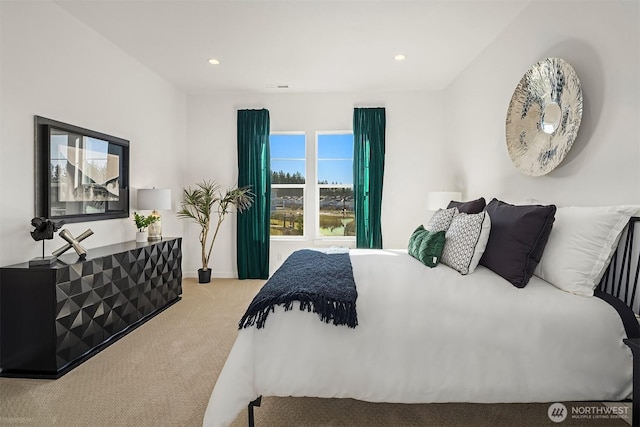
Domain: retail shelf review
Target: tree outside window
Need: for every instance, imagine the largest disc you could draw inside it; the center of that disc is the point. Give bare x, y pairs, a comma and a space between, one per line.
288, 166
336, 215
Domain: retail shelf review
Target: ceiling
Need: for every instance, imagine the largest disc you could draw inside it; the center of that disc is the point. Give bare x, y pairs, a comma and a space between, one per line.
307, 45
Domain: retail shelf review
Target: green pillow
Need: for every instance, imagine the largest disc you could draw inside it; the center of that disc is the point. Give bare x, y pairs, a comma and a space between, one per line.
426, 246
414, 241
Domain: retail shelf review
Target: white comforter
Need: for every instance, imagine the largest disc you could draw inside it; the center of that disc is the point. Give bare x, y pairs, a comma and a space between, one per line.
432, 335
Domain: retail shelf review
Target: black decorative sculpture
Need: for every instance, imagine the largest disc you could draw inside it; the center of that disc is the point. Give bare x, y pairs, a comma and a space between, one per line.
43, 230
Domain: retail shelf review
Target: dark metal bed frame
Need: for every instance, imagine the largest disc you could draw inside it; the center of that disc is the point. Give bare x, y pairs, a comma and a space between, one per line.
621, 281
618, 282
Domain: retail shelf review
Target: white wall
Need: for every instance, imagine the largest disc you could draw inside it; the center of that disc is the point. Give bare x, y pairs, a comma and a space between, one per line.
415, 157
454, 140
55, 66
601, 40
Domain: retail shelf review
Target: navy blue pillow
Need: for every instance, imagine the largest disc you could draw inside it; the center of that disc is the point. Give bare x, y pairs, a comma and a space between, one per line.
470, 207
519, 234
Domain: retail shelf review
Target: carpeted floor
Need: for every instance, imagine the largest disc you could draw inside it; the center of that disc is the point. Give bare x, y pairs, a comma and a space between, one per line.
162, 374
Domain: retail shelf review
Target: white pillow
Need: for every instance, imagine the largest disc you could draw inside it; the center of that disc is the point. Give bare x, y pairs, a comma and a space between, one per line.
580, 246
466, 240
441, 219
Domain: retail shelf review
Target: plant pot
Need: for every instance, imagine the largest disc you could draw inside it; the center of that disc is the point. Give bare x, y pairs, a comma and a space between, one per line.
142, 236
204, 276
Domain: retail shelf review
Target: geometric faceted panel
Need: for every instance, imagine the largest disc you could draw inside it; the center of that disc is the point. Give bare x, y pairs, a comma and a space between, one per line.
100, 297
54, 317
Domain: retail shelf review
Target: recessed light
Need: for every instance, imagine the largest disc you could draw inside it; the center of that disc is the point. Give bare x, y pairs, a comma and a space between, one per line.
214, 61
400, 57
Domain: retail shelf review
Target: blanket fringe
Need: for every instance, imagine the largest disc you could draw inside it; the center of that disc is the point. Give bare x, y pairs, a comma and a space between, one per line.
329, 311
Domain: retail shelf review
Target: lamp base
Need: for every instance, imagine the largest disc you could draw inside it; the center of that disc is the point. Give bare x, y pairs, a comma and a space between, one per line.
155, 229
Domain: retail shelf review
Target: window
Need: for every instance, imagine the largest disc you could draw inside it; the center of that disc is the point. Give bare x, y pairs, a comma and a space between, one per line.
332, 208
288, 166
336, 215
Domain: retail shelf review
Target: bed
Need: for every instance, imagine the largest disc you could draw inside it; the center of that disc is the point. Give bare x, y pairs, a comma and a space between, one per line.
427, 335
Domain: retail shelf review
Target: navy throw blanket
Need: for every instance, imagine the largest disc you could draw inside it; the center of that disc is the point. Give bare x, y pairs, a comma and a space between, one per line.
323, 283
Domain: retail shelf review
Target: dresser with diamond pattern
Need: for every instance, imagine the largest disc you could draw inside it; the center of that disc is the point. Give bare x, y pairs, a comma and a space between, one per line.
54, 318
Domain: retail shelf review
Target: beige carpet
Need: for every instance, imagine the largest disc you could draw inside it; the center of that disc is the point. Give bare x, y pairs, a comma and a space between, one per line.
162, 374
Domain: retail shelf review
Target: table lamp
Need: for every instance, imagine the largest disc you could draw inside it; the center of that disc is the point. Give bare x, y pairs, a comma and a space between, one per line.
155, 199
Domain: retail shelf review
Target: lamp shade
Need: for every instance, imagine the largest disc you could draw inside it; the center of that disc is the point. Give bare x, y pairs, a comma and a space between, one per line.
158, 199
440, 199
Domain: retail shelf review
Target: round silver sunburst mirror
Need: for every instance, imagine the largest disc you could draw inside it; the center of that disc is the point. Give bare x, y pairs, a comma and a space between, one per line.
544, 116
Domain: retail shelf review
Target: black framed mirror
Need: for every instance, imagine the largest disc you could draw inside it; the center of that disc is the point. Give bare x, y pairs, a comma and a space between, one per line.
80, 174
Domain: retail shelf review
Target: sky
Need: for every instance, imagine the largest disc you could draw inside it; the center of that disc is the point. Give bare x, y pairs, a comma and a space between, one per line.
335, 156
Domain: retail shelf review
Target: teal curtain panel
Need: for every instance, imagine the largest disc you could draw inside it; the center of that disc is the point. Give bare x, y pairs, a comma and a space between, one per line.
254, 170
368, 173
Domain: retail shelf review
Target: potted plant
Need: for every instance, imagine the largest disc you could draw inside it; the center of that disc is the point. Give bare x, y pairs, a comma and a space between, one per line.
142, 222
204, 201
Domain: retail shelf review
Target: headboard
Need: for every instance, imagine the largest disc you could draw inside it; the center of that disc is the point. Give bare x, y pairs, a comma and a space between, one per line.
621, 277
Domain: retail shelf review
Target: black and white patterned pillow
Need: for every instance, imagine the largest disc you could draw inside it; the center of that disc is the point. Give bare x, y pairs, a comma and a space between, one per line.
466, 240
441, 219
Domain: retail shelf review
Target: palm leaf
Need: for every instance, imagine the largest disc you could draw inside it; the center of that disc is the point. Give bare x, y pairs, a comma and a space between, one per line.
203, 201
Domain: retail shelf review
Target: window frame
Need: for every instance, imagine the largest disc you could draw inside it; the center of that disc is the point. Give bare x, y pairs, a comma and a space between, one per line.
302, 186
318, 186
